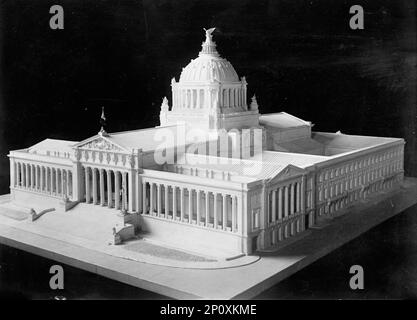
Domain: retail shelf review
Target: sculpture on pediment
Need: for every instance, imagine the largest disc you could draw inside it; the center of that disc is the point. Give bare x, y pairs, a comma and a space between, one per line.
77, 154
131, 160
101, 144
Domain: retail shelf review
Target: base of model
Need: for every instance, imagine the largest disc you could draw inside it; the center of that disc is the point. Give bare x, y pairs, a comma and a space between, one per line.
74, 238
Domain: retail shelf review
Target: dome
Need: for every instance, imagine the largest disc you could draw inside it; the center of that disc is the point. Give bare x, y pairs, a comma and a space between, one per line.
209, 66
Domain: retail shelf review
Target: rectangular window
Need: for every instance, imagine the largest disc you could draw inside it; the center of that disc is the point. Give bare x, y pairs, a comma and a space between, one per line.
255, 218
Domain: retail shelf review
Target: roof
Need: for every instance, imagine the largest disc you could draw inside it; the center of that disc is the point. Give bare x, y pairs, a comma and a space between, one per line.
146, 139
209, 68
297, 159
265, 165
303, 145
282, 120
350, 141
52, 146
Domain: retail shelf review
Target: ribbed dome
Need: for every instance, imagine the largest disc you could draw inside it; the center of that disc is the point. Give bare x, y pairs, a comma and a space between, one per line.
209, 66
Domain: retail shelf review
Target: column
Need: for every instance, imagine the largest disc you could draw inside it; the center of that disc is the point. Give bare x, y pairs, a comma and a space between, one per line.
292, 199
234, 211
94, 186
124, 193
64, 178
198, 207
67, 180
87, 184
166, 187
174, 202
286, 202
109, 190
101, 175
279, 203
42, 185
215, 209
190, 205
17, 182
182, 204
302, 202
131, 190
143, 197
32, 176
274, 205
207, 208
224, 212
159, 200
22, 175
56, 181
37, 178
116, 190
151, 198
51, 179
13, 172
27, 176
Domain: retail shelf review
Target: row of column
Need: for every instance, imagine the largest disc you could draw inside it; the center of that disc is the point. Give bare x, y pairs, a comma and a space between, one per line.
204, 208
284, 201
43, 179
106, 187
203, 98
285, 230
231, 97
191, 98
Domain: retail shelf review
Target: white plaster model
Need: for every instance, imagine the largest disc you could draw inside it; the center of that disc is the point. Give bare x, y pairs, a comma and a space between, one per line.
216, 175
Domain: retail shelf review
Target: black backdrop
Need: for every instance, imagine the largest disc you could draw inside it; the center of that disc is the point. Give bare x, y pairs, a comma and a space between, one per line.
298, 56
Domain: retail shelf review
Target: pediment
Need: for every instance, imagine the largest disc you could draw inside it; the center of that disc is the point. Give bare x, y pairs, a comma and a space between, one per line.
286, 173
99, 143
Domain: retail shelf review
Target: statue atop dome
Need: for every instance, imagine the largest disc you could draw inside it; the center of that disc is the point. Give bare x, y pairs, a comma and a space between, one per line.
209, 36
209, 46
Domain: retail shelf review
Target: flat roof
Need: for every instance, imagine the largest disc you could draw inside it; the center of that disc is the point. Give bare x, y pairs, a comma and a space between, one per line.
282, 120
253, 168
335, 140
52, 145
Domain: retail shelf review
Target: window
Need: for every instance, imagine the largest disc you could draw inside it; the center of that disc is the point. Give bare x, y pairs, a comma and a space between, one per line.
255, 218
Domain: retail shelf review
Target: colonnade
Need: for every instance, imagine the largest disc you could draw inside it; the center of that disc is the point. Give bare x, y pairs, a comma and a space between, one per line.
284, 201
106, 187
201, 207
199, 98
285, 217
42, 179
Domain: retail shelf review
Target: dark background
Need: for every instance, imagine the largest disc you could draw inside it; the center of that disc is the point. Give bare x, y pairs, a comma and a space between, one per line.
298, 56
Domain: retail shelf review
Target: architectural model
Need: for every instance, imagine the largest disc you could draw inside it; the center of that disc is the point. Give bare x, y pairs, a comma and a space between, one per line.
215, 175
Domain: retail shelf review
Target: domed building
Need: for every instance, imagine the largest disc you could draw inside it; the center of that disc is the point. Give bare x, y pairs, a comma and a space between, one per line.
210, 197
209, 94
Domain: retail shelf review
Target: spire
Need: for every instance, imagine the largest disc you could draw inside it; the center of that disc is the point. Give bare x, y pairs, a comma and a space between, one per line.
209, 46
102, 132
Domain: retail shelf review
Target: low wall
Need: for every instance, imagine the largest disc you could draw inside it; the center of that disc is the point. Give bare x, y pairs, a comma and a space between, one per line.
191, 237
29, 198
